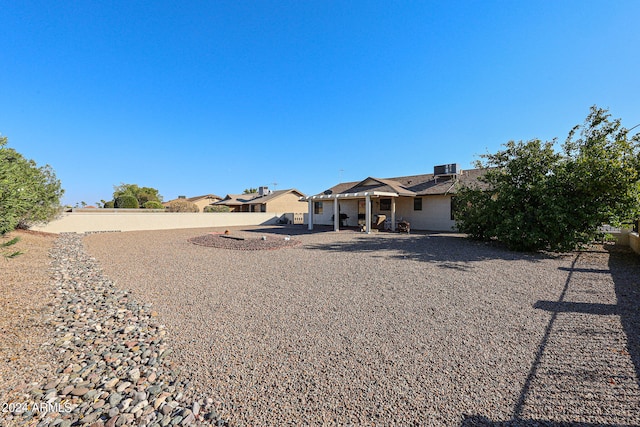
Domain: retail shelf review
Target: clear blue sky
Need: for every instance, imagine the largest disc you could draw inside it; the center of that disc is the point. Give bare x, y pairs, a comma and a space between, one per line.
198, 97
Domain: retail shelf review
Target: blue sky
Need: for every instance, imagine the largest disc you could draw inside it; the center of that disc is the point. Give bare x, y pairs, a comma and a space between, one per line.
199, 97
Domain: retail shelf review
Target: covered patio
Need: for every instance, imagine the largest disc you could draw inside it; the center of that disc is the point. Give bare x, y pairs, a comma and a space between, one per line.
367, 196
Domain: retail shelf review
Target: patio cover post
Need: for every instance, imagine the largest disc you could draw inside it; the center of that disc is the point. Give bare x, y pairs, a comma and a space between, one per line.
368, 213
336, 215
393, 214
310, 215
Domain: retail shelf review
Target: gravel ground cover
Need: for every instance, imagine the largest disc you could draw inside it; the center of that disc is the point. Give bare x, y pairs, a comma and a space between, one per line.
387, 329
99, 357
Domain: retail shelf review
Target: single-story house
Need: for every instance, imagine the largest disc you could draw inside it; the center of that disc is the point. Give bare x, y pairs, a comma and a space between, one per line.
200, 201
425, 201
265, 200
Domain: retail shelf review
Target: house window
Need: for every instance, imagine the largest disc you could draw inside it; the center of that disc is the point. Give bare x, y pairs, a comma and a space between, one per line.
317, 208
263, 207
417, 204
385, 204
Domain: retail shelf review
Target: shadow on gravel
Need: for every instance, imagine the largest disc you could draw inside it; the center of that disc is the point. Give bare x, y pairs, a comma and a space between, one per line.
625, 270
450, 251
624, 267
473, 421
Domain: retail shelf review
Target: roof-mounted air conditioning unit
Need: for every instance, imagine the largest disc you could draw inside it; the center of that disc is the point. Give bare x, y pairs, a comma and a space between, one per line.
446, 170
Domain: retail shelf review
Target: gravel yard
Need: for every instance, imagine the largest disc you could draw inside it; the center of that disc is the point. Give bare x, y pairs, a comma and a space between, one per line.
388, 329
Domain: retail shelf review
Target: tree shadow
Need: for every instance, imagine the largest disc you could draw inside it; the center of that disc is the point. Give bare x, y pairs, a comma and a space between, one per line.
624, 268
480, 421
625, 271
448, 250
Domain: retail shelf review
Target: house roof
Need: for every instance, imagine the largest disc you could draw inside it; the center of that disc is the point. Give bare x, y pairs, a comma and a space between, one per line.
411, 186
196, 198
205, 196
255, 198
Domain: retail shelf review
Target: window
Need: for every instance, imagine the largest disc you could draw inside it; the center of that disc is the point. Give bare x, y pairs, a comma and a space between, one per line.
385, 204
417, 204
317, 208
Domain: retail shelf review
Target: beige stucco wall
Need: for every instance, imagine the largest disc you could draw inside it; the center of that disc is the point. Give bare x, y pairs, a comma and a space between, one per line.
634, 242
80, 222
287, 203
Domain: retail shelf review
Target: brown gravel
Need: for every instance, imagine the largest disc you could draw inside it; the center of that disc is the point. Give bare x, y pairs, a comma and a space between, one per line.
384, 329
25, 292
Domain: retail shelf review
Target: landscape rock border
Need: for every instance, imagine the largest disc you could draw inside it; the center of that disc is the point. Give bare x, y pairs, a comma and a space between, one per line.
114, 364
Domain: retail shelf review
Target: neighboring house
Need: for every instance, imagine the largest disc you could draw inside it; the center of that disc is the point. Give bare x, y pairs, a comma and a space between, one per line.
425, 201
200, 201
265, 200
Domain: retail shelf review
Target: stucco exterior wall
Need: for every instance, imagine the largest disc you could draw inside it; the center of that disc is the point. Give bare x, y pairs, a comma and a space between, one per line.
287, 203
634, 242
327, 212
81, 222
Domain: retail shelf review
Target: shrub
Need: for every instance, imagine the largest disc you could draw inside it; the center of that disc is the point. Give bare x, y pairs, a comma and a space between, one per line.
109, 205
29, 194
152, 204
217, 208
182, 205
126, 202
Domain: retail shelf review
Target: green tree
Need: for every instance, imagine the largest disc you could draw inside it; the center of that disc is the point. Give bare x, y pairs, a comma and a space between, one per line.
126, 201
152, 204
142, 194
250, 190
532, 197
28, 194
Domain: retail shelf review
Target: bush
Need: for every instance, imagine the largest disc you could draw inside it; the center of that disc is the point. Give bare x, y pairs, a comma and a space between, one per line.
217, 208
152, 204
126, 202
182, 205
535, 198
109, 205
28, 194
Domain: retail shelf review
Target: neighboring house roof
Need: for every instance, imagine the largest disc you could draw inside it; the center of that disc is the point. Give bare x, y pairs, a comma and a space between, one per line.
412, 186
195, 199
255, 198
205, 196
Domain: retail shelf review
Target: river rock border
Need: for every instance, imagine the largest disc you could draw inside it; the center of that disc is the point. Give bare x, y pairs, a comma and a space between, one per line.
114, 364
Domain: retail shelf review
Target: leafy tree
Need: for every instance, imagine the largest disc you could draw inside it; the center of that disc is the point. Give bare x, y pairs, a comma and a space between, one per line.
182, 205
126, 201
250, 190
28, 194
8, 244
534, 198
152, 204
110, 204
142, 194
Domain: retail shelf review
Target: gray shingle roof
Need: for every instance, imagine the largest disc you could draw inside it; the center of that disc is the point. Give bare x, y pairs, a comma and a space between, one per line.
412, 186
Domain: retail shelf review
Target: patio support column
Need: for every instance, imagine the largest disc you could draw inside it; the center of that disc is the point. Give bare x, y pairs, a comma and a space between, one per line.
368, 213
393, 214
336, 215
310, 215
